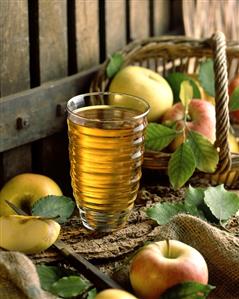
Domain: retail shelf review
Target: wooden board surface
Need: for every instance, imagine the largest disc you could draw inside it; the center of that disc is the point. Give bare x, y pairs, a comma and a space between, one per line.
42, 116
50, 154
14, 76
87, 33
139, 19
115, 24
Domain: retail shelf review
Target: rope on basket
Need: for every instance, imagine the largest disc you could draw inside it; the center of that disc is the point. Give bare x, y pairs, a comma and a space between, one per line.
222, 100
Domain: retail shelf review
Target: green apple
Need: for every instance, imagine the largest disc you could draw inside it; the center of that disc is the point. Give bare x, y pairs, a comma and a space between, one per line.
24, 189
146, 84
160, 265
114, 294
27, 234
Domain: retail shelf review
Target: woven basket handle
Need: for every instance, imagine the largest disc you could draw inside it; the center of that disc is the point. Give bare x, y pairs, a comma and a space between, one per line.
222, 100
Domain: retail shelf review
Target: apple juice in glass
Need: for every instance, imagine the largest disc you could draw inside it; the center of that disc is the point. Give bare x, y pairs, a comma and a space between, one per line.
106, 145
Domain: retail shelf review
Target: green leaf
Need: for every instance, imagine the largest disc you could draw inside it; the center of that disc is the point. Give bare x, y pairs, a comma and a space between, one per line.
70, 286
188, 290
206, 155
48, 275
158, 136
91, 294
234, 100
175, 79
222, 203
206, 77
163, 212
181, 165
61, 207
186, 93
194, 198
114, 65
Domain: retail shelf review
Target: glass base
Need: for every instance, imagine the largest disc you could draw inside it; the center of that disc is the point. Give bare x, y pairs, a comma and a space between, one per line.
103, 222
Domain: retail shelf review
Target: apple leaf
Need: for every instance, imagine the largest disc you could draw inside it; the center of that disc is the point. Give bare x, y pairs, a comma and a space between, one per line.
48, 275
195, 197
186, 93
69, 286
206, 77
91, 294
222, 203
158, 136
163, 212
181, 165
206, 155
188, 290
114, 65
59, 207
234, 100
175, 79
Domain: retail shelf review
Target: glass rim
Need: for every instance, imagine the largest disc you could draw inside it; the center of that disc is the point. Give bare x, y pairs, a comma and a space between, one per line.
102, 93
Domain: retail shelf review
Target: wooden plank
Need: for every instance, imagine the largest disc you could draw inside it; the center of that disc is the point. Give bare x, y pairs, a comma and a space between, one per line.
14, 75
50, 154
14, 53
139, 19
52, 39
38, 107
115, 19
161, 11
87, 33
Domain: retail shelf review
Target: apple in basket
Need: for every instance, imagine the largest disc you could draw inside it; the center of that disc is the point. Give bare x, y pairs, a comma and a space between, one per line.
231, 88
24, 189
160, 265
200, 117
147, 84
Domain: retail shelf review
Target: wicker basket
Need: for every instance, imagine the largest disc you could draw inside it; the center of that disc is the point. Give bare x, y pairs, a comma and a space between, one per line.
179, 53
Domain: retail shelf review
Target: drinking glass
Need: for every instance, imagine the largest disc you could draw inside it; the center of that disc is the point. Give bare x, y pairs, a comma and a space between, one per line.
106, 145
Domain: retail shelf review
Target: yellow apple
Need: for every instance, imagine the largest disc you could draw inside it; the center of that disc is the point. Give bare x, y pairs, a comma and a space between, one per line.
24, 189
146, 84
27, 234
233, 143
114, 294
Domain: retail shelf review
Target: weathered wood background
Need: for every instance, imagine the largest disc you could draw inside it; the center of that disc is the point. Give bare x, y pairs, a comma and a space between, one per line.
49, 51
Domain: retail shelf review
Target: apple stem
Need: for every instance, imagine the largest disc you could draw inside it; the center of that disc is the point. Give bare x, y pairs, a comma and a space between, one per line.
168, 248
15, 208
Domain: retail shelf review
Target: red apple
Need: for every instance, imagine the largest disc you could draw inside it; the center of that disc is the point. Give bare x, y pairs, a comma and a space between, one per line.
200, 117
232, 86
161, 265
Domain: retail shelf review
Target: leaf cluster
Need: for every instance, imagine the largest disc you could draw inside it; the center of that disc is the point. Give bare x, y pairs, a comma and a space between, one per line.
196, 152
214, 204
64, 282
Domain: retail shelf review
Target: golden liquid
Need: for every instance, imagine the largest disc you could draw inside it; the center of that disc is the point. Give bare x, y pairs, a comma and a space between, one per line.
106, 163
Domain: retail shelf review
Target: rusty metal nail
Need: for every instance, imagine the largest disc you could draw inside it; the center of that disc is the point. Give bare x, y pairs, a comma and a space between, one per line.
22, 123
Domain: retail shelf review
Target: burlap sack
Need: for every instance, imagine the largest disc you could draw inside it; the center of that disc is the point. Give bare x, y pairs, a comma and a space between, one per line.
219, 248
18, 278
